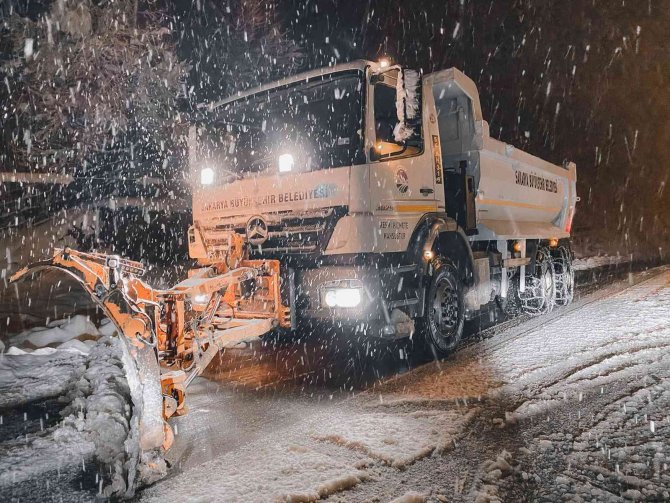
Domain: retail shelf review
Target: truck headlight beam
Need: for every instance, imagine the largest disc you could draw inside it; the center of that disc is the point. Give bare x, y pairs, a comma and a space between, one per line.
285, 163
342, 297
207, 176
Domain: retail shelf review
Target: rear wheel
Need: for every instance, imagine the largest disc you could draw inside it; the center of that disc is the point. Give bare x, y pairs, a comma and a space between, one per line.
540, 286
442, 323
565, 276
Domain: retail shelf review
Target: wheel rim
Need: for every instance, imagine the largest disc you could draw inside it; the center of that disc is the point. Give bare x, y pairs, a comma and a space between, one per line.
444, 313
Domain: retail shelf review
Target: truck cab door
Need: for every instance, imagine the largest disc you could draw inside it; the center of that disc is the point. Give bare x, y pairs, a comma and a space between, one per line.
402, 185
458, 112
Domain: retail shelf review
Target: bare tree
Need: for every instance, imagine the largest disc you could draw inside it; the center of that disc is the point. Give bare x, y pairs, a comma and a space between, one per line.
79, 79
235, 45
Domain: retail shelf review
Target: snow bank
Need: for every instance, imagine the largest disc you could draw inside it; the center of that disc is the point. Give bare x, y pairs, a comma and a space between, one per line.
95, 423
103, 416
56, 350
31, 456
99, 406
28, 377
58, 332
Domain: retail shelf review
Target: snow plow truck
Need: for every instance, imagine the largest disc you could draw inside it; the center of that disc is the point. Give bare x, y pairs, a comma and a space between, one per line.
363, 195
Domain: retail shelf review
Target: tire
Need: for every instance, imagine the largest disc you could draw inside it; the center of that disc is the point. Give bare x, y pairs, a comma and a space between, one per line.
565, 276
540, 292
510, 305
441, 326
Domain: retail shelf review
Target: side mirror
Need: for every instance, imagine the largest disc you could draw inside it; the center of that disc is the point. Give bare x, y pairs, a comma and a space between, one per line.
408, 107
375, 155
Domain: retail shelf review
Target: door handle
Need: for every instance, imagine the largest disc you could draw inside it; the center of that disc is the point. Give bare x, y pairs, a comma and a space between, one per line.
425, 191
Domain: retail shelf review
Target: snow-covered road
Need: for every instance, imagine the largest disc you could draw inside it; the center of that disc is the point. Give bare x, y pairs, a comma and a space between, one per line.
570, 405
574, 405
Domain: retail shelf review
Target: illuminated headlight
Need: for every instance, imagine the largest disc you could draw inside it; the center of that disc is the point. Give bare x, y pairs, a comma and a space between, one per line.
285, 162
342, 297
207, 176
201, 298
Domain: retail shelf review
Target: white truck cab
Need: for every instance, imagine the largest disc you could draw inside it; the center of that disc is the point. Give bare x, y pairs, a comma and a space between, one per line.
389, 206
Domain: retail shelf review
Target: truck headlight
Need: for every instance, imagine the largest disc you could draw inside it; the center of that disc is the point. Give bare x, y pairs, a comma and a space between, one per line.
285, 163
342, 295
207, 176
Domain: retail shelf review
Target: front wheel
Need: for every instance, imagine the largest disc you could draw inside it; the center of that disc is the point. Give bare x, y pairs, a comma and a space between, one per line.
442, 322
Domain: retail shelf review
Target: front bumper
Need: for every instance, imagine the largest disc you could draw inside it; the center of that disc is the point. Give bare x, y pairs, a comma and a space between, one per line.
383, 291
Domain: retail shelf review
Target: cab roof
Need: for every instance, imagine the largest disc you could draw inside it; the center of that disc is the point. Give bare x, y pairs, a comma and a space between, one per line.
360, 65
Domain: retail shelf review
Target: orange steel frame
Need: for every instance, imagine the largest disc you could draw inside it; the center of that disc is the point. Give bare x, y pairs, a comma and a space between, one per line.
244, 302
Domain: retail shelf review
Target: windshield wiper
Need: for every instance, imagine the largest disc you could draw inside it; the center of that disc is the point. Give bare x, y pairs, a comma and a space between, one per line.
236, 176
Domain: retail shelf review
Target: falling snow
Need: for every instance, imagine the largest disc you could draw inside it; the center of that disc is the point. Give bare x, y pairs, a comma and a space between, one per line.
138, 129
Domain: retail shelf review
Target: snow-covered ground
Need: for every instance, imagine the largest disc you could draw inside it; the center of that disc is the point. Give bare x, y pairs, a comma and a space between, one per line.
81, 369
570, 406
580, 400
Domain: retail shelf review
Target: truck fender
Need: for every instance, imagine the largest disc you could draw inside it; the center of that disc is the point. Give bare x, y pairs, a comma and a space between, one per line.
441, 234
455, 246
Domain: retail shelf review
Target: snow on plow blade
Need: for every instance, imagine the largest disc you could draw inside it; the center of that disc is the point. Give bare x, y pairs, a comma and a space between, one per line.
140, 362
170, 336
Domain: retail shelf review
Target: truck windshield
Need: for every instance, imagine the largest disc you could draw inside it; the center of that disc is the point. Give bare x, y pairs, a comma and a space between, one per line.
298, 128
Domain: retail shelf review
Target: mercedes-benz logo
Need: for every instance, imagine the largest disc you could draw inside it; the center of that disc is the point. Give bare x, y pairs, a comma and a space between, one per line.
257, 231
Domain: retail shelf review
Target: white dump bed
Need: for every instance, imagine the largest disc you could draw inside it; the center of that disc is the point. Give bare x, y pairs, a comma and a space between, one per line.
522, 196
517, 195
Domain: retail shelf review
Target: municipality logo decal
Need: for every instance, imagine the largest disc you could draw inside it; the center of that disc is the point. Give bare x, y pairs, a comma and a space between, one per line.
401, 181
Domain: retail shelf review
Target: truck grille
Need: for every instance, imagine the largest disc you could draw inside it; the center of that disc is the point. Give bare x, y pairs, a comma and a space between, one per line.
291, 232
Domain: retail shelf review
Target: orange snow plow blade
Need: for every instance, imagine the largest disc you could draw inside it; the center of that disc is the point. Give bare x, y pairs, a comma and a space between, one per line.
172, 335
